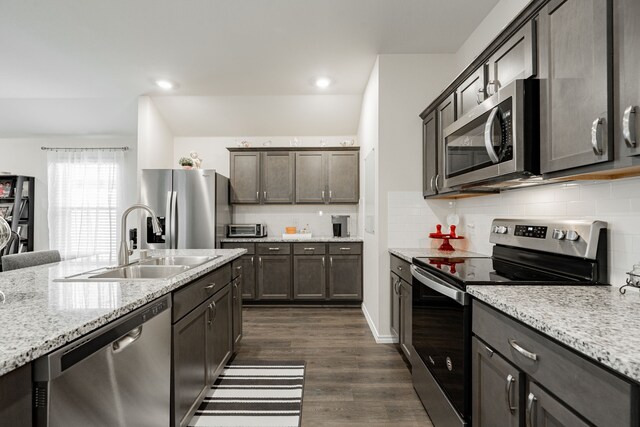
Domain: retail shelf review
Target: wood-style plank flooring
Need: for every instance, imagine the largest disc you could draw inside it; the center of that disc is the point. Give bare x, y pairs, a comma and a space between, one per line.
350, 380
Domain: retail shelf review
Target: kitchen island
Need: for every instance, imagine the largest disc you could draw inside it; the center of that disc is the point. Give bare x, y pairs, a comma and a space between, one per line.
39, 314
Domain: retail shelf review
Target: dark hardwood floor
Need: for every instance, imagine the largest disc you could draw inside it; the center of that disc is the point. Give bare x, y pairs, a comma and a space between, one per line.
350, 380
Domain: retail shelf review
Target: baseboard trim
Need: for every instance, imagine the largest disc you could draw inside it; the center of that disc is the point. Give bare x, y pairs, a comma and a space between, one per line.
380, 339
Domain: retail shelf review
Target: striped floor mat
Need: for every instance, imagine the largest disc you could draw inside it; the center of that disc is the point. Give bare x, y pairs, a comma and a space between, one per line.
248, 394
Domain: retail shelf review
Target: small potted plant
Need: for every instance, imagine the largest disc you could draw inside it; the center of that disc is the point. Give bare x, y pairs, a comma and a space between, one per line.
186, 162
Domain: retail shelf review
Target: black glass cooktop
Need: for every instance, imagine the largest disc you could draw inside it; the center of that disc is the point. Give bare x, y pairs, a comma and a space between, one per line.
491, 271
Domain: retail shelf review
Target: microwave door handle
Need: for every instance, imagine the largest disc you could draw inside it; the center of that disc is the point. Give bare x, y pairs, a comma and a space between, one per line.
488, 135
440, 287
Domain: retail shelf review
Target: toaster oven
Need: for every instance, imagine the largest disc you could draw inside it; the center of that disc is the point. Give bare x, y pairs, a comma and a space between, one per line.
246, 230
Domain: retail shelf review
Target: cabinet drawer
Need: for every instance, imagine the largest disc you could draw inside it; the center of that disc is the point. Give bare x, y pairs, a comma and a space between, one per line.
309, 248
401, 268
345, 248
250, 247
598, 395
273, 248
193, 294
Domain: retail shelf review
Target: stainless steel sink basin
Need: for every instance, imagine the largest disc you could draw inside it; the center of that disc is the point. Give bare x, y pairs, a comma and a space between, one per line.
191, 261
141, 272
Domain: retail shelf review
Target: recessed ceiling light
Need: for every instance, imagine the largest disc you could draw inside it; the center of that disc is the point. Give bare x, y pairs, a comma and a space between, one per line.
165, 84
323, 82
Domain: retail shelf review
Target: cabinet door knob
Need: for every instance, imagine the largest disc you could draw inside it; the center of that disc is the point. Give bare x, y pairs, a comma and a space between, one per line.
629, 126
210, 286
509, 386
531, 400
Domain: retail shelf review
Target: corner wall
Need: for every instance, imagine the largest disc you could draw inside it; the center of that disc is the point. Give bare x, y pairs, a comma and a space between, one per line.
155, 140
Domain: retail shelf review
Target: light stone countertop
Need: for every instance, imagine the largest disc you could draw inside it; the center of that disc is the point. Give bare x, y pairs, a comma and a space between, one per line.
408, 254
327, 239
39, 315
597, 321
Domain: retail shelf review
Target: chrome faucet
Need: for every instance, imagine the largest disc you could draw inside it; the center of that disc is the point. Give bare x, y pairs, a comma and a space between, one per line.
123, 254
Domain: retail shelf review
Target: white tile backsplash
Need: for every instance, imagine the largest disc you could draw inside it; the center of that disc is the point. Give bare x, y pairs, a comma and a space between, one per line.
616, 202
277, 217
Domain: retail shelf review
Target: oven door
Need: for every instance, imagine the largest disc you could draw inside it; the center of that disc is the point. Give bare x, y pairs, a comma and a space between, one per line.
487, 143
441, 322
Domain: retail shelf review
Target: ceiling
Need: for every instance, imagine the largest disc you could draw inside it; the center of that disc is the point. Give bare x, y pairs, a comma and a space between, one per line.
84, 52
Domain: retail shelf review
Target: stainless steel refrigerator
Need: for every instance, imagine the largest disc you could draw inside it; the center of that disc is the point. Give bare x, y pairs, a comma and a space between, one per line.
192, 206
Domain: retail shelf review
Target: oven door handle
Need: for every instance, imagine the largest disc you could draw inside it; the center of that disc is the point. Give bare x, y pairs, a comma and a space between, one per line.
440, 286
488, 135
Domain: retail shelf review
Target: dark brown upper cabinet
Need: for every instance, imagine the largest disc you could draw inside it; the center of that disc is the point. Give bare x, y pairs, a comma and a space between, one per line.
471, 92
245, 177
429, 155
575, 84
446, 115
277, 177
343, 183
516, 59
310, 181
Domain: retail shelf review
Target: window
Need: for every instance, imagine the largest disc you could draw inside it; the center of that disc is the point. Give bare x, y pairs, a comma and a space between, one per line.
85, 187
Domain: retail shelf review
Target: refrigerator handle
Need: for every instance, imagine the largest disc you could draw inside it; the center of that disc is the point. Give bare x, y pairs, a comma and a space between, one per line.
174, 220
167, 222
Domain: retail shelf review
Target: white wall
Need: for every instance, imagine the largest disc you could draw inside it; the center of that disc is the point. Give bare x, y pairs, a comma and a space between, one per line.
213, 150
495, 21
155, 139
24, 157
404, 85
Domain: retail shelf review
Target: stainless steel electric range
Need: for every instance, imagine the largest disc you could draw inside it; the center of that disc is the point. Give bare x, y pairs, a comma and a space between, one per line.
525, 252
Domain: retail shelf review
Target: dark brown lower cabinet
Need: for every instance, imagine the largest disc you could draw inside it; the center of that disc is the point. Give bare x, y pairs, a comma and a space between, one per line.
405, 318
274, 277
309, 279
15, 398
190, 363
219, 332
236, 287
496, 385
395, 306
543, 410
248, 263
345, 277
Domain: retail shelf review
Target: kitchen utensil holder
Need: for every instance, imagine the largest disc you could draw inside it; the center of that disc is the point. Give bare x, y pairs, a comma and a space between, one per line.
632, 281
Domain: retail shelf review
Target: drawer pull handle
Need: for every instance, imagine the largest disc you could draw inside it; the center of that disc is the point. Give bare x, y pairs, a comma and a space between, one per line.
309, 249
522, 351
345, 249
239, 267
400, 268
274, 249
210, 286
531, 400
510, 381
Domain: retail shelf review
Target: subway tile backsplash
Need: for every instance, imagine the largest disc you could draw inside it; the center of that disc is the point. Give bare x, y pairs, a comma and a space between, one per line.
617, 202
277, 217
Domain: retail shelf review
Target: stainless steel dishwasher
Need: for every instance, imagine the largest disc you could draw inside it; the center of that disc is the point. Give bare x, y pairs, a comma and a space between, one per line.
119, 375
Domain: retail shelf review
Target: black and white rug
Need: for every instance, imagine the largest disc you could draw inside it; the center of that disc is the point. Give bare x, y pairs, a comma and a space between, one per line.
258, 393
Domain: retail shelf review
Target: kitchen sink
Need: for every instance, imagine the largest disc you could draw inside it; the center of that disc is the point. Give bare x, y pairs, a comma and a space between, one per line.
191, 261
146, 269
142, 272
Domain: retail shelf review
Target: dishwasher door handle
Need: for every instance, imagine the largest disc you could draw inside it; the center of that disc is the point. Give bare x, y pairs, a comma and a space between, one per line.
127, 340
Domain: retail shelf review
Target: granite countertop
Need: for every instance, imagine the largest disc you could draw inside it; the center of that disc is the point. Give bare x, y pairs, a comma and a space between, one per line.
39, 315
597, 321
408, 254
328, 239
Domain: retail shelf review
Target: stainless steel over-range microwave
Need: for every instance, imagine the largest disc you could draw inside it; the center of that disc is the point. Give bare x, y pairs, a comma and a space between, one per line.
496, 141
246, 230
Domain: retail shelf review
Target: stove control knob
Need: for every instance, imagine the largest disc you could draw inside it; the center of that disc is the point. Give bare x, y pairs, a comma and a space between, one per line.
500, 229
572, 235
558, 234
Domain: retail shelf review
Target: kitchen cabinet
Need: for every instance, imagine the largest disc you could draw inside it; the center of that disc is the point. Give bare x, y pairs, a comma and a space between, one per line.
245, 177
446, 114
495, 388
236, 289
219, 332
429, 155
309, 278
575, 84
516, 59
190, 363
16, 398
471, 92
345, 277
627, 90
274, 277
277, 177
343, 184
401, 309
310, 177
248, 263
395, 306
578, 385
202, 339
